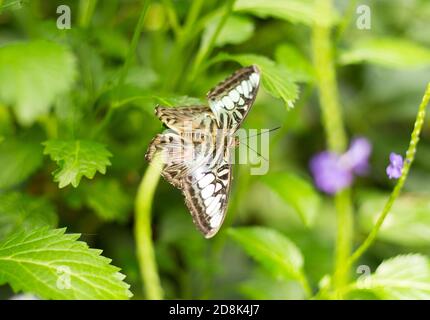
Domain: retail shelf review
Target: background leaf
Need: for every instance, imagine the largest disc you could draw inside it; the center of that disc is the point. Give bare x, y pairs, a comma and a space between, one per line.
76, 158
295, 11
19, 159
236, 29
271, 249
401, 277
53, 265
296, 192
387, 52
408, 222
106, 197
297, 64
20, 212
32, 74
276, 78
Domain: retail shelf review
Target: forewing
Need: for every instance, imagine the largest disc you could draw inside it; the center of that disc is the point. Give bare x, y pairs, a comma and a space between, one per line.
187, 118
231, 100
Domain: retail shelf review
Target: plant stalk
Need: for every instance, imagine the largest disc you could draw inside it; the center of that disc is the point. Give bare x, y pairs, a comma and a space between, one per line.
143, 231
410, 156
335, 134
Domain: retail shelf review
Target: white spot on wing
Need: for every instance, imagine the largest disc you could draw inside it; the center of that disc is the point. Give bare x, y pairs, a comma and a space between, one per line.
234, 95
249, 86
239, 89
255, 78
245, 88
203, 182
216, 220
223, 172
214, 206
228, 103
218, 187
208, 191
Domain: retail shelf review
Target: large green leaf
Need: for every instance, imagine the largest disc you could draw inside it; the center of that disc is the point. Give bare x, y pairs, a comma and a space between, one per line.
236, 29
387, 52
299, 66
402, 277
20, 212
77, 158
276, 79
297, 192
19, 158
54, 265
295, 11
271, 249
408, 222
32, 75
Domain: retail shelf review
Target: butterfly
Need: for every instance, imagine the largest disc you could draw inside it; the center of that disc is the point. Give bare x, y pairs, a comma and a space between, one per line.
197, 148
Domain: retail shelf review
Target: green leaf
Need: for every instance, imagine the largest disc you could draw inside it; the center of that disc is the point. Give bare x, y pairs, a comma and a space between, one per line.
387, 52
271, 249
276, 79
107, 198
294, 11
402, 277
54, 265
299, 66
237, 29
32, 75
22, 212
76, 158
297, 192
19, 158
11, 5
408, 222
261, 286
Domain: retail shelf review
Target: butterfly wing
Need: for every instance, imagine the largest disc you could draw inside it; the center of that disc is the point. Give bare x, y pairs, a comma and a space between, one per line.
194, 163
206, 190
199, 168
181, 119
232, 99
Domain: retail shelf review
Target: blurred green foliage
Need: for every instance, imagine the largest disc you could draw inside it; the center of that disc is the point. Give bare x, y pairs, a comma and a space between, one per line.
62, 95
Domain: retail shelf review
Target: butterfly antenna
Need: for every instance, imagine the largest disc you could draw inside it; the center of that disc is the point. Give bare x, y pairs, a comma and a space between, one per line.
259, 134
258, 153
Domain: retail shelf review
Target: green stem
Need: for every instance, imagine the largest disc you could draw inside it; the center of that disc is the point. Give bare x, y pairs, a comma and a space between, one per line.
344, 237
335, 133
126, 66
172, 17
206, 49
326, 80
86, 11
410, 155
184, 37
134, 42
143, 232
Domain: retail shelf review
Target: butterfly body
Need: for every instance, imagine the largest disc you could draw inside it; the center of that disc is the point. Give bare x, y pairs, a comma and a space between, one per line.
197, 147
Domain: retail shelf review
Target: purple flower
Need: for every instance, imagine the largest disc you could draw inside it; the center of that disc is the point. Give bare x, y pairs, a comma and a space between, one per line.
333, 172
394, 169
329, 174
357, 156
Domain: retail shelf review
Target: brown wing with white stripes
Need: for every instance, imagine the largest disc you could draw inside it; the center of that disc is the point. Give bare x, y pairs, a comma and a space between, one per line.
232, 99
206, 192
